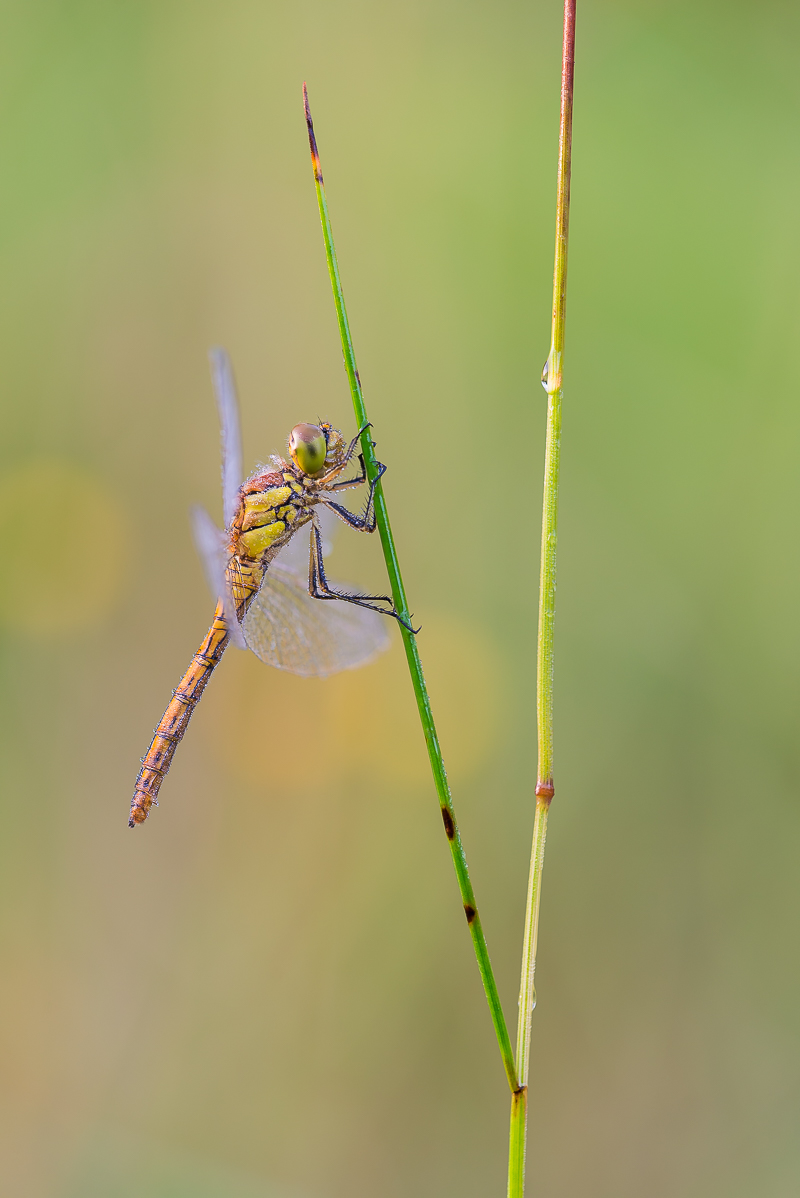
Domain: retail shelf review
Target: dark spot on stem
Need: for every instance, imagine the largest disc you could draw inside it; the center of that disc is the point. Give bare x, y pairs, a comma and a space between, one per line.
449, 826
470, 912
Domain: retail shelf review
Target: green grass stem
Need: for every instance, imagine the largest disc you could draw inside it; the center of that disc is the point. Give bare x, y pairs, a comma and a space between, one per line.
409, 639
545, 786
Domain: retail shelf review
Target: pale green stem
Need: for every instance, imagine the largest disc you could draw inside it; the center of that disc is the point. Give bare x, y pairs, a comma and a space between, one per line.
527, 994
552, 381
409, 639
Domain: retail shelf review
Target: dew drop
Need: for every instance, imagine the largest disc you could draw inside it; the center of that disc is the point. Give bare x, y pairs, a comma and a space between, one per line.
545, 373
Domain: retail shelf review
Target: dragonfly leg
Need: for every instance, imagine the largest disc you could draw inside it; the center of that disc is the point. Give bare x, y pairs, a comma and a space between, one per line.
337, 470
322, 483
356, 481
366, 521
319, 588
352, 446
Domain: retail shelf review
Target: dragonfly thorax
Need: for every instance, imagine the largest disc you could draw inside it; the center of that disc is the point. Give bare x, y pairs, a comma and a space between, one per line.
272, 506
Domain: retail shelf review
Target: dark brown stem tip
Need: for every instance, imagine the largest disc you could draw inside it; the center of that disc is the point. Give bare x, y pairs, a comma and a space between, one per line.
546, 789
312, 141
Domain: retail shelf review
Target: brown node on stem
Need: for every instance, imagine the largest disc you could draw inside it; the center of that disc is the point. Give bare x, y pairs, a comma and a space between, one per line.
545, 789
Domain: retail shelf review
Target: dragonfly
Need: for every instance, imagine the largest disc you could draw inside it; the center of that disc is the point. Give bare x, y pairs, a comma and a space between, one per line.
291, 618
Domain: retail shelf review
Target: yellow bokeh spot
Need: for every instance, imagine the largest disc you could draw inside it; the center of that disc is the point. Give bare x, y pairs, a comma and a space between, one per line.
62, 548
284, 732
373, 714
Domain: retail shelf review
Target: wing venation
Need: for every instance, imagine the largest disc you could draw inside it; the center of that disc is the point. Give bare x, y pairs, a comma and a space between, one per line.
289, 629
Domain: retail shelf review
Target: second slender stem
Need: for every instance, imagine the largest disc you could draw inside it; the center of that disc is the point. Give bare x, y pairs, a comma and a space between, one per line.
527, 991
545, 786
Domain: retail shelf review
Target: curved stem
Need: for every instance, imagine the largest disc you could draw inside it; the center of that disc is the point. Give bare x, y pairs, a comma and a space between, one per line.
409, 639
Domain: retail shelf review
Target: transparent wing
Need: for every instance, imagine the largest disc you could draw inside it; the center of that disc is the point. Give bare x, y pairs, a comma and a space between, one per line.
211, 544
228, 407
287, 628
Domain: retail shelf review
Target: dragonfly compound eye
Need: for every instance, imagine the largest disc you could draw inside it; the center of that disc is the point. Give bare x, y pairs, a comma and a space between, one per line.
308, 447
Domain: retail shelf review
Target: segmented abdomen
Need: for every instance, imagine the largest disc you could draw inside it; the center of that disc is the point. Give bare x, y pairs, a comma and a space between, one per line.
244, 578
175, 719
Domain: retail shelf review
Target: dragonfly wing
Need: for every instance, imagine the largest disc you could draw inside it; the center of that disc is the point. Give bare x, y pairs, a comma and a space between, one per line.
211, 544
289, 629
228, 406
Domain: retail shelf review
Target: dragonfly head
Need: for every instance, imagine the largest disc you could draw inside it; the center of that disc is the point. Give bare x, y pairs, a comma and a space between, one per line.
316, 448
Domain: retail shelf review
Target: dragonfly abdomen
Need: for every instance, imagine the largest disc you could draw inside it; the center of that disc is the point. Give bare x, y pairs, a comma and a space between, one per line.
175, 719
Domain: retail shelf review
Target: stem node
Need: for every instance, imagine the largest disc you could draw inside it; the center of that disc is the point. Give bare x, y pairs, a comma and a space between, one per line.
545, 789
409, 639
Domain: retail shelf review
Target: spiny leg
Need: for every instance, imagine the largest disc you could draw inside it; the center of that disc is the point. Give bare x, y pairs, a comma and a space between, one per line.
337, 470
346, 483
319, 588
365, 522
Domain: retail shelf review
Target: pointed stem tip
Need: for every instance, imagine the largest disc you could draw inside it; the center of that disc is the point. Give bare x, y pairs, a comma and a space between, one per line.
312, 141
412, 652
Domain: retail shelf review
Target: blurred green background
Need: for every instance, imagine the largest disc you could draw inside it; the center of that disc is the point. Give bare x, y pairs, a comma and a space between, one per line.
268, 990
